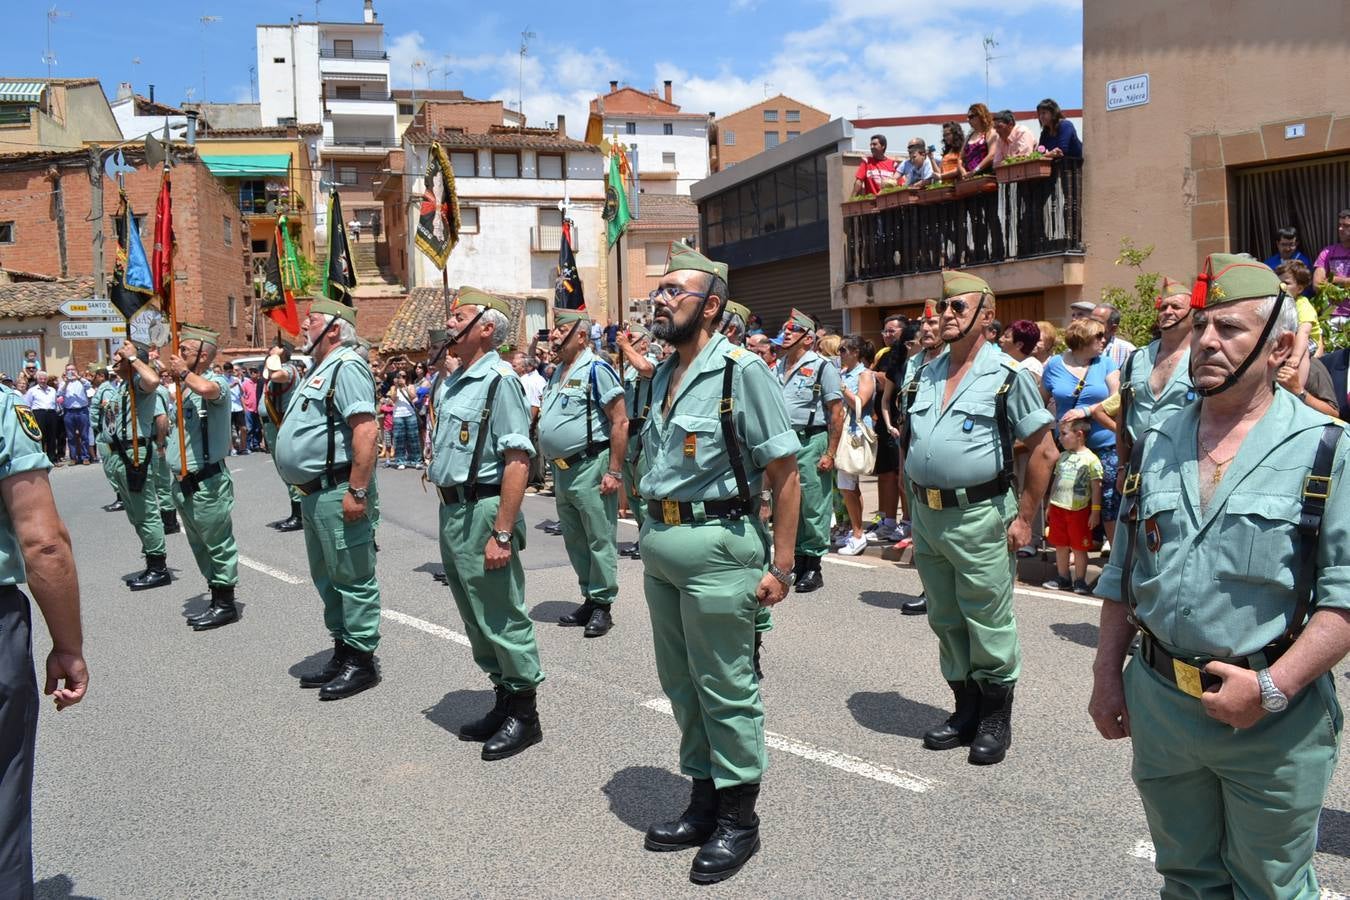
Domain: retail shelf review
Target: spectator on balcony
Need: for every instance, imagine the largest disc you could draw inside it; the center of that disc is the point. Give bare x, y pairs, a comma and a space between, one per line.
1013, 139
917, 170
1117, 347
1333, 263
1286, 248
354, 226
1058, 136
975, 158
953, 142
877, 171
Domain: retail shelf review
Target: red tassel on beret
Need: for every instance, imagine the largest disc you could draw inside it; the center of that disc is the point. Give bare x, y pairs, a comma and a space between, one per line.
1200, 292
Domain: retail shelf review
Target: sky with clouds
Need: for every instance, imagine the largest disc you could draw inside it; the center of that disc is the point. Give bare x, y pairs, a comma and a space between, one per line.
869, 58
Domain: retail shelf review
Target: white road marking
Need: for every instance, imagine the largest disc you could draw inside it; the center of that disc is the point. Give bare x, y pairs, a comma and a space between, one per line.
852, 564
431, 628
1143, 849
268, 570
854, 765
1063, 596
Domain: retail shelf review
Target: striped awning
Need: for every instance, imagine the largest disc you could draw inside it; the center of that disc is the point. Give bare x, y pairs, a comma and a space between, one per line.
21, 91
247, 165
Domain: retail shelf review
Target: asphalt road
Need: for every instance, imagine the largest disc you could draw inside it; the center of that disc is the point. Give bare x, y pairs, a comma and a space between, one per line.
197, 767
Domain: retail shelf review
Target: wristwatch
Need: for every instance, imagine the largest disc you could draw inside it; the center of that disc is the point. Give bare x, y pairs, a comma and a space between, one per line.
787, 579
502, 537
1272, 698
358, 493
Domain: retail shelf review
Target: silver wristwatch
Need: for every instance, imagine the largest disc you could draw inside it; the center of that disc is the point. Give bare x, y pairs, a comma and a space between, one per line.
1272, 698
502, 537
787, 579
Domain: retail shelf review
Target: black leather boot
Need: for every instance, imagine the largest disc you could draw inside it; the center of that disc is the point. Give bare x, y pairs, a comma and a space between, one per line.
759, 646
156, 574
694, 826
735, 839
117, 505
295, 522
579, 616
482, 729
810, 579
221, 612
916, 607
994, 736
330, 670
600, 622
960, 726
358, 673
170, 519
519, 730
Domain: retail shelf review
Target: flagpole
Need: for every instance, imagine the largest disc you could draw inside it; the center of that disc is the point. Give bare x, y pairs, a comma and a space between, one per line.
180, 383
445, 292
618, 281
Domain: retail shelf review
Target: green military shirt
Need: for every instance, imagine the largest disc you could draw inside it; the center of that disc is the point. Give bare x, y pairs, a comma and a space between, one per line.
1144, 409
302, 443
798, 387
684, 456
637, 395
563, 416
459, 407
102, 406
276, 397
959, 446
204, 422
119, 422
1220, 582
20, 451
914, 362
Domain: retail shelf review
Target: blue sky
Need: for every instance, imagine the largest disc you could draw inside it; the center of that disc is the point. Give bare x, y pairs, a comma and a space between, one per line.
874, 57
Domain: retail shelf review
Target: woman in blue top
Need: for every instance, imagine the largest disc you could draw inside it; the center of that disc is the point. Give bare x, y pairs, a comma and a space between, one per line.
1058, 136
860, 384
1076, 380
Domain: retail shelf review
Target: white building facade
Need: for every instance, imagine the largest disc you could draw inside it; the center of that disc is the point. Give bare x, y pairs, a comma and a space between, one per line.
671, 145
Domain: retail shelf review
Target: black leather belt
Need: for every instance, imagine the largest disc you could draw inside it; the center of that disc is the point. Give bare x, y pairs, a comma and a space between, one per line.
803, 431
949, 498
340, 474
193, 480
681, 512
590, 452
1188, 673
461, 494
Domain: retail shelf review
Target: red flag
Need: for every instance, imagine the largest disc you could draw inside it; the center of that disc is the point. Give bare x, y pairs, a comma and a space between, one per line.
278, 297
161, 262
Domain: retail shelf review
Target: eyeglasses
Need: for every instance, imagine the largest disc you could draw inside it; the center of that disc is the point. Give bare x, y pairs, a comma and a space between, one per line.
957, 306
917, 148
668, 293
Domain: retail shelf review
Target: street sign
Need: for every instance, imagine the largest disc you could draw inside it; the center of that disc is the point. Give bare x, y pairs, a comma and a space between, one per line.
83, 308
1126, 92
93, 330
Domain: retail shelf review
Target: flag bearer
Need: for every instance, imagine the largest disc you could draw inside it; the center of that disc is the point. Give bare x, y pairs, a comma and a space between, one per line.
634, 342
282, 377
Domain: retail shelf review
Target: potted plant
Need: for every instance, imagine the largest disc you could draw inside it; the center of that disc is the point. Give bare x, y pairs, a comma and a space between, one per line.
969, 187
859, 205
896, 195
937, 192
1024, 168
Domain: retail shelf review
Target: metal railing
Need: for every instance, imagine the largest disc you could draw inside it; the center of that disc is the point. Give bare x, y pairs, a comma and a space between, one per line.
330, 53
359, 143
373, 96
1019, 220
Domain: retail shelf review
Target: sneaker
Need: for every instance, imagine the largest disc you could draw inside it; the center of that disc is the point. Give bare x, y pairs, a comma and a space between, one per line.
841, 540
853, 546
889, 533
905, 529
1058, 583
1026, 552
400, 466
1081, 587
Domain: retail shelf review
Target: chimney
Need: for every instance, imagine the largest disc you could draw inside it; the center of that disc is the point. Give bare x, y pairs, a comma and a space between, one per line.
668, 91
152, 93
562, 125
613, 86
124, 91
370, 12
192, 128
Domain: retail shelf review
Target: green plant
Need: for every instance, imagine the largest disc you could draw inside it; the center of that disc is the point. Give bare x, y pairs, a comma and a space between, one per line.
1137, 310
1326, 299
310, 276
1029, 157
894, 188
857, 197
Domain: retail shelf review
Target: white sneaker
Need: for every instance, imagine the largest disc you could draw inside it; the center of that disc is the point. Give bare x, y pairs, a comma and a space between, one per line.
841, 540
853, 546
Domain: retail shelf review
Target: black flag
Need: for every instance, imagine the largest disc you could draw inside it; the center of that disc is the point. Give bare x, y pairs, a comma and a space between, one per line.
341, 273
567, 293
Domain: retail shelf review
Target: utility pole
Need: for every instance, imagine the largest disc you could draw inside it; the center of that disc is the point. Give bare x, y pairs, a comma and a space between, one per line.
96, 215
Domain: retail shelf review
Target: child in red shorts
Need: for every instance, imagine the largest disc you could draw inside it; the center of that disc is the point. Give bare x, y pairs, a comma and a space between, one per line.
1075, 506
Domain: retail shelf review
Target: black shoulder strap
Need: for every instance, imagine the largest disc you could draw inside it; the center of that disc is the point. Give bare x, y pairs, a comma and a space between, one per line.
1316, 490
815, 394
1127, 391
1005, 434
911, 391
729, 435
1129, 515
330, 410
481, 440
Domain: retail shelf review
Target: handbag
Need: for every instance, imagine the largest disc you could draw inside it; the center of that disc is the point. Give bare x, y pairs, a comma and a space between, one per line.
857, 453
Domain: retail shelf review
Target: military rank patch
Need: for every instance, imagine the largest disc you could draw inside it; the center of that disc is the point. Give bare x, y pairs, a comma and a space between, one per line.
1152, 535
690, 445
28, 422
464, 433
316, 381
806, 372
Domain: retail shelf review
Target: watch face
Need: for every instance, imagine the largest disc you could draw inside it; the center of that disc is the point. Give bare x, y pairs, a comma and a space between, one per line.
1274, 703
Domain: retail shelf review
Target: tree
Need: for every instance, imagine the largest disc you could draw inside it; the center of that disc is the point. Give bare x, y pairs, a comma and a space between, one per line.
1138, 311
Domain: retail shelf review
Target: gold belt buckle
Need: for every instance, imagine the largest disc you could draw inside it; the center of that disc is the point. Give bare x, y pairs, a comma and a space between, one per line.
1188, 678
561, 463
670, 512
934, 498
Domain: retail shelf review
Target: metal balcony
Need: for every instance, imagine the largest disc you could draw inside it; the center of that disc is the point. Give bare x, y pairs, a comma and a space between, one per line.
328, 53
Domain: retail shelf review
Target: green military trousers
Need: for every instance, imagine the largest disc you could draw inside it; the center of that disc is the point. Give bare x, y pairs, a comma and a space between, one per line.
142, 506
967, 573
588, 522
491, 602
159, 471
700, 583
813, 528
636, 504
1232, 811
105, 454
270, 436
342, 565
207, 522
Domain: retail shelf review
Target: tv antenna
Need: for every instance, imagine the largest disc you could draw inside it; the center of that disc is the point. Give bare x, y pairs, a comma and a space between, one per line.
767, 86
206, 20
50, 56
989, 45
525, 37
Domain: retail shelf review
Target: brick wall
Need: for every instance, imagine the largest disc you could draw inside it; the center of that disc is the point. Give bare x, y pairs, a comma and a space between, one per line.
473, 118
373, 315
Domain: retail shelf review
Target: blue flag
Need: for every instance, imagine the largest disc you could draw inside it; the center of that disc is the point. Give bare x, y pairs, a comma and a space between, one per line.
131, 287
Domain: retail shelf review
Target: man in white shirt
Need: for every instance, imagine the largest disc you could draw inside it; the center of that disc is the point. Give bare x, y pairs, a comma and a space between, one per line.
534, 383
1117, 348
41, 399
74, 399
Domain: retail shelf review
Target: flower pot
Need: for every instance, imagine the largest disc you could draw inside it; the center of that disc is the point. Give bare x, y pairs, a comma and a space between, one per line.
937, 194
892, 199
854, 208
1024, 171
969, 187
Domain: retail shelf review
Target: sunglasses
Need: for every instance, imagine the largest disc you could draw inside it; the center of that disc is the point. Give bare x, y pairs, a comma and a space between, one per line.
668, 293
957, 306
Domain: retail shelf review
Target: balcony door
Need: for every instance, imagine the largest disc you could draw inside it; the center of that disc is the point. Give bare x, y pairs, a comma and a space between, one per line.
1306, 195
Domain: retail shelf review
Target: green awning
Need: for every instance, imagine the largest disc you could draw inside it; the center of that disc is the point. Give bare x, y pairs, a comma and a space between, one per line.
247, 165
21, 91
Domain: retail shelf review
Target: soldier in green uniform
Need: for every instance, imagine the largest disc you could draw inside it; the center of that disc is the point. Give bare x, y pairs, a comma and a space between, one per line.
101, 407
168, 514
131, 433
326, 450
1231, 561
635, 343
34, 548
583, 429
205, 494
813, 392
717, 432
969, 406
282, 377
480, 465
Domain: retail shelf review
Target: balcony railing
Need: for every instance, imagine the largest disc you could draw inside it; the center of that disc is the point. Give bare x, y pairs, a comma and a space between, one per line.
359, 143
270, 203
1016, 220
327, 53
372, 96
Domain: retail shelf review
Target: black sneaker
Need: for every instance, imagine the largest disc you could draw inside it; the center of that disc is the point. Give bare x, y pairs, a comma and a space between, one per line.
1080, 586
1058, 583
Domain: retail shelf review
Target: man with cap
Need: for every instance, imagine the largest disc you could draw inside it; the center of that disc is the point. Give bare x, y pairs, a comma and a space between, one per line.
282, 378
168, 513
326, 449
34, 549
102, 406
1231, 561
967, 409
131, 432
480, 466
583, 429
203, 490
717, 433
1081, 309
634, 343
813, 391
